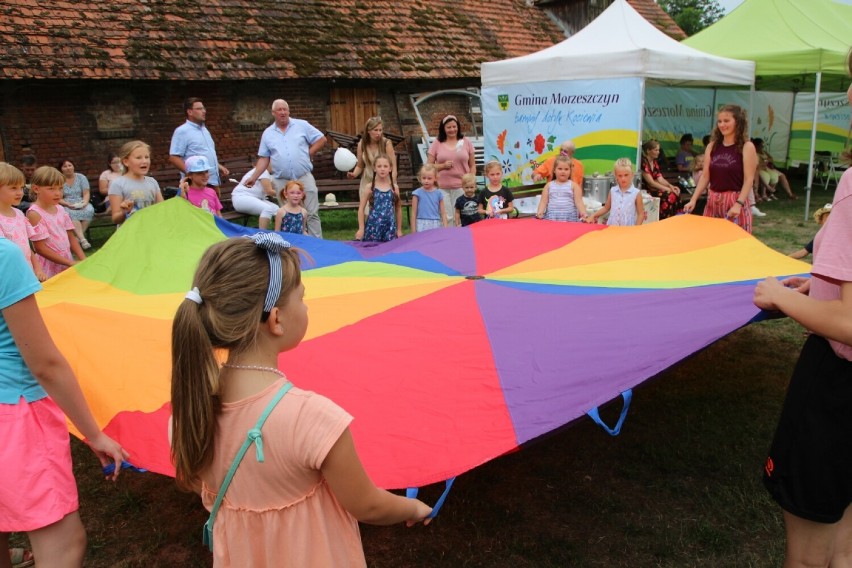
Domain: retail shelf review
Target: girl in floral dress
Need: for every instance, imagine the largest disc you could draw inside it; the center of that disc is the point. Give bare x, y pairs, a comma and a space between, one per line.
656, 184
385, 220
76, 198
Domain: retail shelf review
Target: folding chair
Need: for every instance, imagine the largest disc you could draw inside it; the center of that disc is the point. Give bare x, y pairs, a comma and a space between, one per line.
835, 170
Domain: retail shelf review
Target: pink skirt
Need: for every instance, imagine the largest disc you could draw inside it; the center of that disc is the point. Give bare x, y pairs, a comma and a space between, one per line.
720, 202
37, 486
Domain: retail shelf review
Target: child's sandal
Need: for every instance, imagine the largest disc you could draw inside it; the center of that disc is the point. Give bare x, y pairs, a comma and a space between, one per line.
21, 558
85, 244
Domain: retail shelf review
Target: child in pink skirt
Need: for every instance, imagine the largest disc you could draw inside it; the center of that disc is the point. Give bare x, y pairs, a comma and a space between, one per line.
55, 238
38, 494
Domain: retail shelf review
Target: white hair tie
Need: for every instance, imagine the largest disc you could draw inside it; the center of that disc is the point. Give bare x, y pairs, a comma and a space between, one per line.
194, 295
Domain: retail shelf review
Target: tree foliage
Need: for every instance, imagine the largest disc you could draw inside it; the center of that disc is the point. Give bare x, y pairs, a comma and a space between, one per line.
692, 15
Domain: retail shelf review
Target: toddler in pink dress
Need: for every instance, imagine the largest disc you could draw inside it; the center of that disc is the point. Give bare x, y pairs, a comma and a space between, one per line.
13, 224
55, 239
16, 229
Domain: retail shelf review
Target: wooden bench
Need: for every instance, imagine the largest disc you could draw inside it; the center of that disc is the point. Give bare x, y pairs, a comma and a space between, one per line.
351, 142
522, 191
168, 178
530, 190
347, 191
339, 140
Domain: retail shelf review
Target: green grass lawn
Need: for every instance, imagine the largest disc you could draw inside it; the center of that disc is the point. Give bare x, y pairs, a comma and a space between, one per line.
680, 487
337, 225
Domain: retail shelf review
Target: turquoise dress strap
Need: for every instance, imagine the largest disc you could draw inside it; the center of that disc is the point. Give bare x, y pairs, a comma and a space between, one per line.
253, 437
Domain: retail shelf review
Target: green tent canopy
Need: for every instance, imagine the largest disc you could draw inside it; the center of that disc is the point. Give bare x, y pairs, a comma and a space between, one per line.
783, 37
795, 44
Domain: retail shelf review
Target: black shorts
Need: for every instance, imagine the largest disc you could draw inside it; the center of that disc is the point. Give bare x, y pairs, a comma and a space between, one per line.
809, 468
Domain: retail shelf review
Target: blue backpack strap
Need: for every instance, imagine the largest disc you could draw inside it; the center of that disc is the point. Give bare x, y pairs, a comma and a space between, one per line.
253, 437
627, 396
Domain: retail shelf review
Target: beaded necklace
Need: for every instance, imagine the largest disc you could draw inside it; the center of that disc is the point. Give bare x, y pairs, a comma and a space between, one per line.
255, 368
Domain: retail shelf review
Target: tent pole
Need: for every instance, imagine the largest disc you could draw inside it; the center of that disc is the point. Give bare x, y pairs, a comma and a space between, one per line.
641, 125
750, 111
813, 145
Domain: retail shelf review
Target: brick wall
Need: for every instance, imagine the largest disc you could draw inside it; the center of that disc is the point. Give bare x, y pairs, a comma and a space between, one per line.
85, 120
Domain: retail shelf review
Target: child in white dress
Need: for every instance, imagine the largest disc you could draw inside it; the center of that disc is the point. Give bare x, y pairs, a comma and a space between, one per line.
624, 202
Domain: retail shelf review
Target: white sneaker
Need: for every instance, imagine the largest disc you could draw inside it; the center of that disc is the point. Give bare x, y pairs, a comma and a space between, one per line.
757, 212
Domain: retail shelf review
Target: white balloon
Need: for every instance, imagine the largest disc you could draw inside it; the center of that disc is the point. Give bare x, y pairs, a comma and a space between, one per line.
344, 160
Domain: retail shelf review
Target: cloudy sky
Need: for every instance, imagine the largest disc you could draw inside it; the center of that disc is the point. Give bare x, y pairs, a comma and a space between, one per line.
728, 5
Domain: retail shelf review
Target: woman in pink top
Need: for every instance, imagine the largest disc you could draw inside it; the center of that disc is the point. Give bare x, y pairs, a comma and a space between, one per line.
453, 156
809, 468
296, 499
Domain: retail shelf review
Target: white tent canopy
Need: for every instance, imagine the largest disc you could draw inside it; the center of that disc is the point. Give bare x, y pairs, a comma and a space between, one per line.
620, 43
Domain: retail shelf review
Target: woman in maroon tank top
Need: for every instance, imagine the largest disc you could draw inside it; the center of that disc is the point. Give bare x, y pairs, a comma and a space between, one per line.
730, 164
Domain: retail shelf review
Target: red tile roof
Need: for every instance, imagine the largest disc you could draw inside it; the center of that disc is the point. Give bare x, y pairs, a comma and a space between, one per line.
265, 39
652, 12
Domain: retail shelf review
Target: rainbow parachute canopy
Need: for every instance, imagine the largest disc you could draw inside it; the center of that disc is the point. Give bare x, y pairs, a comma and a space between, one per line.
449, 347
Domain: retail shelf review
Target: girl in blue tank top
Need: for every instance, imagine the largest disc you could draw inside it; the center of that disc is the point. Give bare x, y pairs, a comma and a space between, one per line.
292, 217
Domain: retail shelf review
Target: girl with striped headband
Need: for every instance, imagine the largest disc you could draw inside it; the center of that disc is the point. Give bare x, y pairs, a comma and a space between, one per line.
284, 457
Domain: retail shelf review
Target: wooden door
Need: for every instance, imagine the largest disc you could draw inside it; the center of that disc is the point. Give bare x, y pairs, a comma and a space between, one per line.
350, 109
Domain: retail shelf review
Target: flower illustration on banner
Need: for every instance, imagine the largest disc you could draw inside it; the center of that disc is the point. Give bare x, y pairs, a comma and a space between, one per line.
539, 143
501, 141
507, 166
550, 141
771, 112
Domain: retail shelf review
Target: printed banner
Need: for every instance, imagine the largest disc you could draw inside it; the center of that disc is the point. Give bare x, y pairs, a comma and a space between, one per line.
769, 117
833, 120
524, 124
672, 112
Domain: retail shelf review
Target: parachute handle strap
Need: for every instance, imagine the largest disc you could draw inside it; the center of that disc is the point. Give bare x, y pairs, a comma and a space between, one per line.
627, 396
411, 493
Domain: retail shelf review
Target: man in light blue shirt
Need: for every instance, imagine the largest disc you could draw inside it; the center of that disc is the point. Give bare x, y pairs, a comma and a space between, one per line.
193, 139
290, 144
